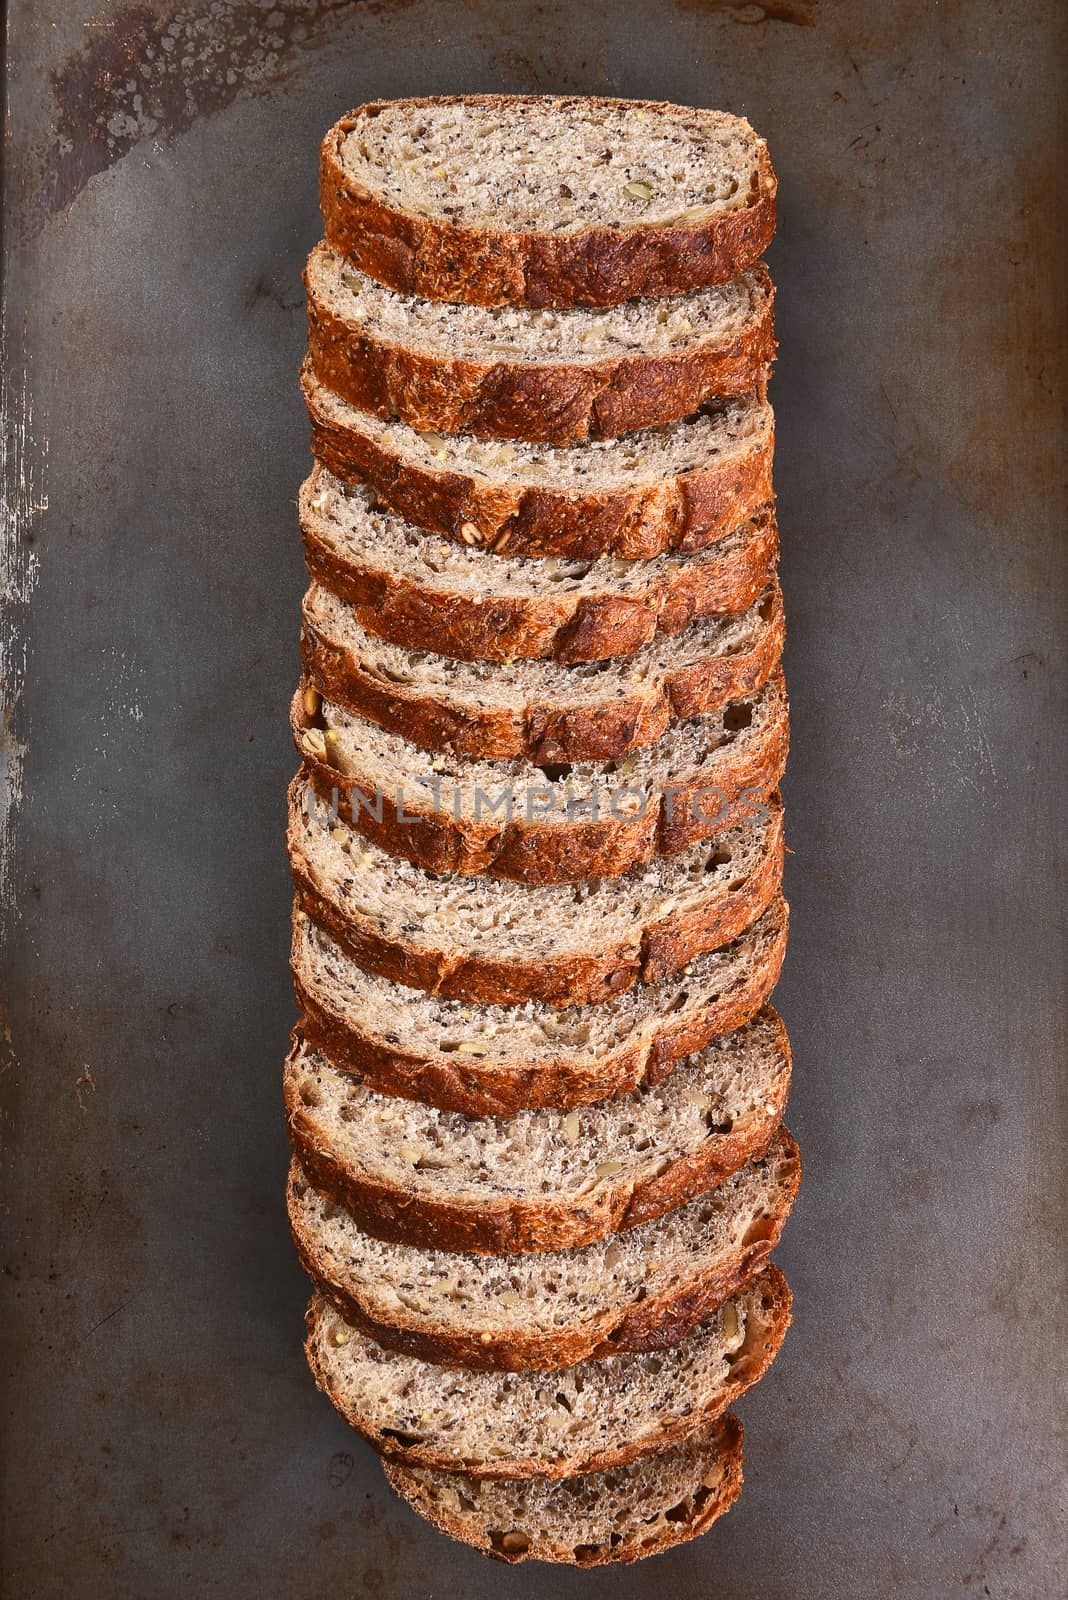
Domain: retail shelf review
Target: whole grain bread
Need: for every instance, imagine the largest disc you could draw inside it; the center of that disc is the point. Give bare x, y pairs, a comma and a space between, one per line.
545, 200
592, 1520
491, 1060
537, 710
680, 487
514, 373
547, 1179
586, 1418
548, 824
486, 940
427, 592
643, 1290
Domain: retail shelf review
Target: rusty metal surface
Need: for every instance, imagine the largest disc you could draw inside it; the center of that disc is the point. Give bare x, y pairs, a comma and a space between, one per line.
160, 1433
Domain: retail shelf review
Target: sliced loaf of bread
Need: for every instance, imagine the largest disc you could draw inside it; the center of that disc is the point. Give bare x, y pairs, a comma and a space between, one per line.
427, 592
547, 1179
585, 1418
491, 1060
545, 200
514, 373
643, 1290
550, 824
679, 487
537, 710
595, 1519
487, 940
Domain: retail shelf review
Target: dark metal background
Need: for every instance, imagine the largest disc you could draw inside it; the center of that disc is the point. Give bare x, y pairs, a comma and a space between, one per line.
160, 1434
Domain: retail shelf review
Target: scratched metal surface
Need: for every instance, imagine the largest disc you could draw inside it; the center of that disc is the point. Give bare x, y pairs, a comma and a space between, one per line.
160, 1434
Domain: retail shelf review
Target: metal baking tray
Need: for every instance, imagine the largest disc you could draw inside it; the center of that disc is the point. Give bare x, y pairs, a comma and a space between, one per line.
160, 1433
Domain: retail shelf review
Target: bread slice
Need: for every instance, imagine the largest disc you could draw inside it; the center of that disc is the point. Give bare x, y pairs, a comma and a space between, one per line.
538, 1180
586, 1418
679, 487
598, 1518
514, 373
643, 1290
536, 710
483, 939
493, 1060
550, 824
430, 593
545, 200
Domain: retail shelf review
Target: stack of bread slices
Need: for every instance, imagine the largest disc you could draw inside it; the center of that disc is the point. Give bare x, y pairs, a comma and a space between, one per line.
536, 1093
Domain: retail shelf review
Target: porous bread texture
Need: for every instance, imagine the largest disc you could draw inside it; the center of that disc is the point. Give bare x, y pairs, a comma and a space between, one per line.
515, 373
681, 486
491, 1060
642, 1290
713, 315
485, 939
586, 1418
427, 592
541, 1179
548, 713
508, 162
619, 1516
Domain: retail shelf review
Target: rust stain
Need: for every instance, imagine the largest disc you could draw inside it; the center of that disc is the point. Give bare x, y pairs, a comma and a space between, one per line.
147, 73
798, 13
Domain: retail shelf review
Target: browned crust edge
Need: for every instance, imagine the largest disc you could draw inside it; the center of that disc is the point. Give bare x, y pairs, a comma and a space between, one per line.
684, 513
547, 731
543, 851
455, 1083
656, 1323
597, 266
655, 950
724, 1442
748, 1368
510, 1225
547, 402
568, 628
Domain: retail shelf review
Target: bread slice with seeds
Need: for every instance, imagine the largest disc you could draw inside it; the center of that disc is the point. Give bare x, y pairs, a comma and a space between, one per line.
545, 200
592, 1520
643, 1290
513, 373
551, 823
547, 1179
679, 487
427, 592
547, 714
587, 1418
491, 1060
488, 940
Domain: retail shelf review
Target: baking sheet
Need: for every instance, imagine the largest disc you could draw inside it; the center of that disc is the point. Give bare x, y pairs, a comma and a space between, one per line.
161, 1435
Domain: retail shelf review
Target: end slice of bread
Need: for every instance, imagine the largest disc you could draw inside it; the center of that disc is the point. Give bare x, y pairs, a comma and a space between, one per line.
546, 1179
514, 373
679, 487
426, 592
535, 710
590, 1417
643, 1290
486, 940
545, 200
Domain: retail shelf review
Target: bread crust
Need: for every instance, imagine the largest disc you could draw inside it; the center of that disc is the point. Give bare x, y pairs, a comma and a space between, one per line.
684, 512
462, 1083
555, 402
546, 731
658, 1322
539, 852
511, 1225
655, 948
597, 266
570, 628
747, 1370
727, 1444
